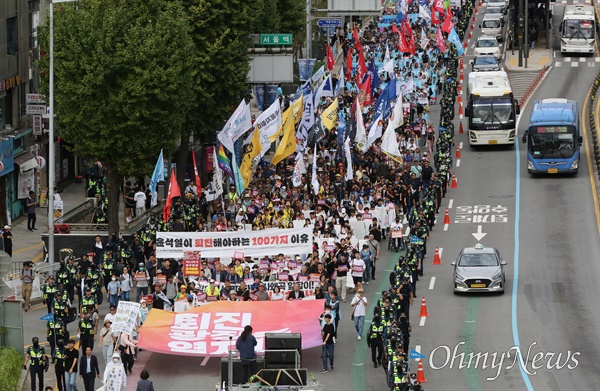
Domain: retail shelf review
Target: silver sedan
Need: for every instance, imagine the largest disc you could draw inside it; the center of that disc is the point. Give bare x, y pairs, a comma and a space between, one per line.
479, 269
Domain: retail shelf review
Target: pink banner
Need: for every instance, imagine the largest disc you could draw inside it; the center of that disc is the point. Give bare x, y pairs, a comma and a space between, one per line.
205, 330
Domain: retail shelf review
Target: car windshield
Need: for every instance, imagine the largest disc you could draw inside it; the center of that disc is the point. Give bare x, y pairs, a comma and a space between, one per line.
552, 145
486, 43
485, 60
492, 112
578, 29
475, 260
490, 24
493, 10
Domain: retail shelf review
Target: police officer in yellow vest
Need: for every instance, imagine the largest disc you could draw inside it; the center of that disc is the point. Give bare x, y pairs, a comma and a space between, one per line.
108, 268
87, 331
55, 330
60, 306
59, 365
88, 301
48, 292
36, 355
375, 340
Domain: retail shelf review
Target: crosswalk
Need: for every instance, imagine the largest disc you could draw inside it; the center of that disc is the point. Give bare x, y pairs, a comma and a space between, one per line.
572, 2
575, 62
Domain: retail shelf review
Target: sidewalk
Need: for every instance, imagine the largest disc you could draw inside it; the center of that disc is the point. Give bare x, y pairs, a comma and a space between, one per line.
538, 59
27, 246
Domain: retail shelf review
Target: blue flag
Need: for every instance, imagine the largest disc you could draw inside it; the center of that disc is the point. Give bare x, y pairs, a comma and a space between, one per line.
375, 82
240, 185
157, 176
453, 37
391, 88
305, 89
416, 355
383, 105
49, 317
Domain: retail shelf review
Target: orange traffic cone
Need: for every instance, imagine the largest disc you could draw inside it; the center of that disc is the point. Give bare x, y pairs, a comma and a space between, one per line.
436, 257
462, 77
479, 5
459, 98
446, 217
457, 152
454, 182
459, 89
460, 109
420, 373
460, 129
423, 312
476, 10
472, 28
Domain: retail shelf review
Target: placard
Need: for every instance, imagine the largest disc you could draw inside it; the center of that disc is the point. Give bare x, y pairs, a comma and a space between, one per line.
139, 276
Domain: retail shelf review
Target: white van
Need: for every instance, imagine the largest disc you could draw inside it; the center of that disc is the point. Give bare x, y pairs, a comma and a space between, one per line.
491, 26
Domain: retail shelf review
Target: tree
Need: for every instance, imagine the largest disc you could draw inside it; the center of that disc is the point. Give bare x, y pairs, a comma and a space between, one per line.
123, 76
293, 20
267, 17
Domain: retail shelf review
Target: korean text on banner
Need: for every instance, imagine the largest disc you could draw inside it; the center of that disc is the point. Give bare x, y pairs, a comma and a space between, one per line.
205, 330
126, 317
272, 241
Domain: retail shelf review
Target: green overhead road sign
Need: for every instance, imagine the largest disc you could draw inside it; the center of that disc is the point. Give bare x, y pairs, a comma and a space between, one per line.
275, 39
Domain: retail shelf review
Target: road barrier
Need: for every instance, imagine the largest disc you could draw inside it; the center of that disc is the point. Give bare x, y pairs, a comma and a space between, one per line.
533, 85
592, 122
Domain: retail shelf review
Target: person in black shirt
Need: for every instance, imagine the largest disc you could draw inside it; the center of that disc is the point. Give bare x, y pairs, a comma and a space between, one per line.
7, 236
328, 334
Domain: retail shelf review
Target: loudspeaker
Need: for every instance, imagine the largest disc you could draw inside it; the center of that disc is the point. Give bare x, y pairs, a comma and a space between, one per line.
275, 359
237, 369
283, 377
283, 341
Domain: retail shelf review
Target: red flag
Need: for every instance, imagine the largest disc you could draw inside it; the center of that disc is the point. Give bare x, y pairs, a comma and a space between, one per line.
173, 192
330, 59
395, 29
356, 39
402, 44
447, 26
438, 5
435, 19
365, 94
349, 65
197, 177
361, 69
440, 43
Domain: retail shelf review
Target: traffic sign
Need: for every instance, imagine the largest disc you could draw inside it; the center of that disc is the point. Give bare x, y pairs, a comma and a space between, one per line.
37, 125
48, 318
35, 109
329, 22
275, 39
35, 98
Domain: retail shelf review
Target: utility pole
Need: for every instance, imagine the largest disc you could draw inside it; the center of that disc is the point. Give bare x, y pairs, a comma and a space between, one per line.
308, 29
520, 27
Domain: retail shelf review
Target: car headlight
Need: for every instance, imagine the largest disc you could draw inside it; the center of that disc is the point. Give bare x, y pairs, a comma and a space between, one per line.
459, 277
563, 41
497, 276
575, 164
530, 165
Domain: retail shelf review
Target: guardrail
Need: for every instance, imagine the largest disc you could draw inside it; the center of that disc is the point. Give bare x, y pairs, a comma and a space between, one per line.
533, 85
592, 122
80, 211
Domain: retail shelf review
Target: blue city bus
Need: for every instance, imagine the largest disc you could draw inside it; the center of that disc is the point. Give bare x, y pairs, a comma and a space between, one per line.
553, 137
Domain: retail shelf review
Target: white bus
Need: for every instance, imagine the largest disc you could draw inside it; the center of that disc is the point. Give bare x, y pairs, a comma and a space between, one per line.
492, 109
578, 29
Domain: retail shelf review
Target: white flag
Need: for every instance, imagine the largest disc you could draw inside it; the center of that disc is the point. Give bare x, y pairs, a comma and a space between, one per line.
388, 67
308, 120
319, 74
387, 56
361, 134
315, 180
341, 84
325, 89
301, 164
238, 124
374, 132
424, 13
297, 174
217, 182
349, 169
389, 142
405, 87
268, 124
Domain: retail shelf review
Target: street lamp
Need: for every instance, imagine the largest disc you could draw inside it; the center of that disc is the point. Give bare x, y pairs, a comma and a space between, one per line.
51, 147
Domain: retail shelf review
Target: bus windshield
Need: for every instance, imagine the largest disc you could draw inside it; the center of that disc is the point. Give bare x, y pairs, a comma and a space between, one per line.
552, 142
492, 114
578, 29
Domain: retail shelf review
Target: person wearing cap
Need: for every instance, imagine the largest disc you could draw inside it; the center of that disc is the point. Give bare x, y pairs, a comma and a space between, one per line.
262, 294
141, 282
7, 238
88, 301
182, 294
36, 355
107, 340
55, 330
61, 306
48, 292
87, 331
212, 291
233, 296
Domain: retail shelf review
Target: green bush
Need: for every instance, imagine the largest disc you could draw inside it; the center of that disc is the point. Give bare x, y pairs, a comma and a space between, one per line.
11, 365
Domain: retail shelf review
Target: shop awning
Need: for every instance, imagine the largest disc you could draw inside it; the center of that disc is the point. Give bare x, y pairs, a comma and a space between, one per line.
26, 162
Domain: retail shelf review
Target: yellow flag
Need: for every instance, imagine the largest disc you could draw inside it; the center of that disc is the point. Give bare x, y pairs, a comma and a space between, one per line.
329, 116
288, 142
293, 111
252, 151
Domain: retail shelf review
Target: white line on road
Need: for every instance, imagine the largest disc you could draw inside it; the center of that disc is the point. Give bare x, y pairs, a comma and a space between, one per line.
461, 145
432, 283
440, 251
205, 361
422, 321
469, 321
450, 203
418, 349
446, 227
359, 364
458, 163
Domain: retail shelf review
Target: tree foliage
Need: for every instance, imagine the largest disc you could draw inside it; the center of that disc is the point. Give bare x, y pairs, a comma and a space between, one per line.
122, 81
293, 19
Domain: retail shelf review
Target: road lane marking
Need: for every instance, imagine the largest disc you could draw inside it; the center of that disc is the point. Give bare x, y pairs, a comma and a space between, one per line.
450, 203
28, 248
440, 251
461, 145
458, 163
422, 321
431, 283
205, 361
418, 350
589, 156
446, 227
358, 364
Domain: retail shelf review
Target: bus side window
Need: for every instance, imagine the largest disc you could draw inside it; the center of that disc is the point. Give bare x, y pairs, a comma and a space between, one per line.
524, 136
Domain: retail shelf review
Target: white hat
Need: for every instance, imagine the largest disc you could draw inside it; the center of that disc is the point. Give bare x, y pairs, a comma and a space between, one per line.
7, 227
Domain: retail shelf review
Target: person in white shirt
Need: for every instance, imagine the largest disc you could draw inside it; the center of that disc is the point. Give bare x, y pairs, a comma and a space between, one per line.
140, 202
395, 227
358, 267
359, 303
277, 295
